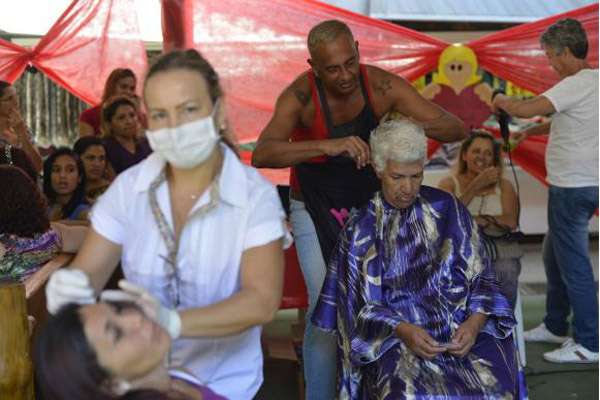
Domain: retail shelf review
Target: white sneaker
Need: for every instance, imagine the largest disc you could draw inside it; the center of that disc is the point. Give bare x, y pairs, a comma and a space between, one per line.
571, 352
541, 334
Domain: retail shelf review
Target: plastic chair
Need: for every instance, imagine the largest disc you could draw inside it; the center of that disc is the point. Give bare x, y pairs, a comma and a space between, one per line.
295, 296
294, 288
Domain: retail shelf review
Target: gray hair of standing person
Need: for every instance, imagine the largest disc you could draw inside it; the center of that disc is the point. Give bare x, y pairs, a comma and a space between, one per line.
566, 33
402, 141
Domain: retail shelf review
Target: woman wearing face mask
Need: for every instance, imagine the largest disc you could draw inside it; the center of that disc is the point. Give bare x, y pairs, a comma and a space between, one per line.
64, 186
109, 351
492, 201
120, 126
199, 234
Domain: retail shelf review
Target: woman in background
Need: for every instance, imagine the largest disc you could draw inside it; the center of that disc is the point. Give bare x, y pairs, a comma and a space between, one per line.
13, 129
493, 203
120, 127
121, 81
92, 153
64, 186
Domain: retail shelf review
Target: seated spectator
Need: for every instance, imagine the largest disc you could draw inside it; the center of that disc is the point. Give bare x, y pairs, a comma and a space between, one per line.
412, 297
121, 81
27, 239
493, 203
64, 186
10, 155
13, 129
109, 351
92, 153
120, 125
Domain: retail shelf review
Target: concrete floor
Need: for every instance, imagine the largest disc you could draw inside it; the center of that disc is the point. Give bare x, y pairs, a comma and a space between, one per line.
545, 381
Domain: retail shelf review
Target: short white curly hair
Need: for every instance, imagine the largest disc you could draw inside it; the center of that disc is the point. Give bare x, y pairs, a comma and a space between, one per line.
399, 140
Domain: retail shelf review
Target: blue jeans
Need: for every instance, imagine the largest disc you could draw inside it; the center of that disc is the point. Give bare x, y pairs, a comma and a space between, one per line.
568, 265
319, 347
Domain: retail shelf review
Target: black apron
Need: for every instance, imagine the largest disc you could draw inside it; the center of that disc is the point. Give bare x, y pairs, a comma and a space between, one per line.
338, 183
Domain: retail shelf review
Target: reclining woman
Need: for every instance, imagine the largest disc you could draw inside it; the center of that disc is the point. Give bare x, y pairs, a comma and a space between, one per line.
109, 351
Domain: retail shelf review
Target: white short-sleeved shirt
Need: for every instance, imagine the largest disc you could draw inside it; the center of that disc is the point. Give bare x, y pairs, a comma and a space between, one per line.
248, 214
572, 152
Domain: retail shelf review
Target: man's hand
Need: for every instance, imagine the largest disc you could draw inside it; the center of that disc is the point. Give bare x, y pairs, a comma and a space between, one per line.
351, 146
418, 340
465, 336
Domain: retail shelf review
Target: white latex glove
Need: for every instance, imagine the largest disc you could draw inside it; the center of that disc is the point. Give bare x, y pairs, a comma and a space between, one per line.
165, 317
68, 286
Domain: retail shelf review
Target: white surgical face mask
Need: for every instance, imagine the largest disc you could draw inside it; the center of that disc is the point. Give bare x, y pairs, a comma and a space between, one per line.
188, 145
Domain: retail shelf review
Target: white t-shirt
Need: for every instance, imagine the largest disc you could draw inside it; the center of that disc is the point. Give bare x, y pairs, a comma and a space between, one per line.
248, 214
572, 152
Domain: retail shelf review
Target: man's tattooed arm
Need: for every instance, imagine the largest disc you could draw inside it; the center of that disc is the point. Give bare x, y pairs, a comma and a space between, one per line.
302, 97
383, 86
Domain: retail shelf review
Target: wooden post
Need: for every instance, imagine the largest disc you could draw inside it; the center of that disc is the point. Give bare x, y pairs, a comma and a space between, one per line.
16, 368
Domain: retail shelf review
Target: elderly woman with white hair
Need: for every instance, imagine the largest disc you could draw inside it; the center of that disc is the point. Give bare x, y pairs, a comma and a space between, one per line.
409, 292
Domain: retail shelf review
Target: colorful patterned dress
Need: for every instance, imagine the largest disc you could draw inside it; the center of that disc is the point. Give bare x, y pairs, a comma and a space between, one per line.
422, 265
23, 256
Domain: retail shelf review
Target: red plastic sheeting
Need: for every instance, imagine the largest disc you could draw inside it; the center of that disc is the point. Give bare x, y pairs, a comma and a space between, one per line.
13, 60
515, 54
259, 47
177, 24
89, 40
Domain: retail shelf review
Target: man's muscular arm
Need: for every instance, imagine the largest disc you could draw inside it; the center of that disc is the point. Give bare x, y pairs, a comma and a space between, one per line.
401, 96
274, 149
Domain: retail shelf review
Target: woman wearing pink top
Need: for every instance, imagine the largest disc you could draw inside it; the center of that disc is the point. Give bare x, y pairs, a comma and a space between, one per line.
121, 81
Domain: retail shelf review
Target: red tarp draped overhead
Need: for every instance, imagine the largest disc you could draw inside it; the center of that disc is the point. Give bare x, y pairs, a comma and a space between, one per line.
259, 47
13, 60
515, 54
89, 40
